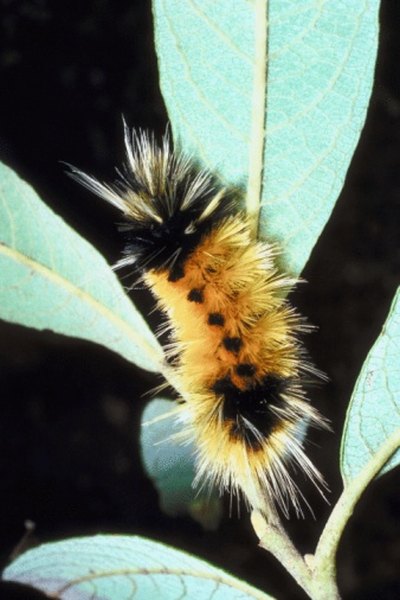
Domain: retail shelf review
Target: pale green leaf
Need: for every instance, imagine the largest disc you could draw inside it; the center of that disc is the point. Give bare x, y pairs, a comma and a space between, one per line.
170, 464
114, 567
374, 410
51, 278
320, 57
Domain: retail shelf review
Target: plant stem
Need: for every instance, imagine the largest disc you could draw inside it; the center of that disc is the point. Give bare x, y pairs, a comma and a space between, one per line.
317, 574
324, 560
275, 540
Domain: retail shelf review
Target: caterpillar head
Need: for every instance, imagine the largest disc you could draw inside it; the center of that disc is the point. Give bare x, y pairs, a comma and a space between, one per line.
168, 202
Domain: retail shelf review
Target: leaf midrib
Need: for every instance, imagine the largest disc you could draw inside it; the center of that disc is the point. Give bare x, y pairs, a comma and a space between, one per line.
258, 113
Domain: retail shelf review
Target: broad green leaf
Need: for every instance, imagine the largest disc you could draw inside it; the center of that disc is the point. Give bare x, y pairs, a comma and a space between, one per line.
116, 567
374, 410
51, 278
313, 101
171, 466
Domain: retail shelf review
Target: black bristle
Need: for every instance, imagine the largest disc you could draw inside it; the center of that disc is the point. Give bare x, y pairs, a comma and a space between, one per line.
158, 245
166, 242
168, 201
251, 405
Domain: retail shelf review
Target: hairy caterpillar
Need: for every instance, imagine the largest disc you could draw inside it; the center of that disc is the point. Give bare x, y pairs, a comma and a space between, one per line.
235, 353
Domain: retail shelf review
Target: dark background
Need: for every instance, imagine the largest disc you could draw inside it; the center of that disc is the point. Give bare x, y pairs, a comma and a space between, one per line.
69, 455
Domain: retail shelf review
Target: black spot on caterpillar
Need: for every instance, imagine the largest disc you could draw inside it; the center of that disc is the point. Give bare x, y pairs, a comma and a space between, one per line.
216, 319
196, 296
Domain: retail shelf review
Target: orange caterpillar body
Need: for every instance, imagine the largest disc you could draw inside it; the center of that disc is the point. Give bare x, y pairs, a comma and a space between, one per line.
236, 358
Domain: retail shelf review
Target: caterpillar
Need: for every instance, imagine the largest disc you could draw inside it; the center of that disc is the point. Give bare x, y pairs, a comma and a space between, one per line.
234, 348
